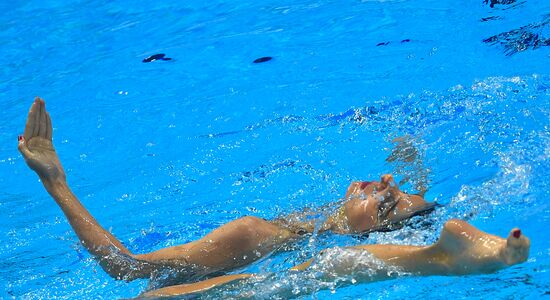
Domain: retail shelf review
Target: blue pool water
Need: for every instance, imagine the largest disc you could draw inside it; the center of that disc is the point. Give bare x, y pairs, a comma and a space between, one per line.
163, 152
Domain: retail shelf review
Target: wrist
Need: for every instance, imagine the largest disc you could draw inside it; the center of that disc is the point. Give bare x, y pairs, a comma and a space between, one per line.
52, 184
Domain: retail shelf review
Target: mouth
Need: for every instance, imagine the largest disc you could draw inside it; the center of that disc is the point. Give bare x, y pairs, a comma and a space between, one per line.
365, 184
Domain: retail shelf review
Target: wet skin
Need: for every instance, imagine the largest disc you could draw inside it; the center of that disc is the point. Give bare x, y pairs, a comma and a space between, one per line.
233, 245
460, 250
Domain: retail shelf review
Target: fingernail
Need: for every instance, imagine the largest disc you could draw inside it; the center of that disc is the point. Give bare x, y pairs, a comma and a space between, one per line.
19, 138
516, 233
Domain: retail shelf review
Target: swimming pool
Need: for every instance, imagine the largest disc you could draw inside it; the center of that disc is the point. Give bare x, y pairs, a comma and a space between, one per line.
163, 152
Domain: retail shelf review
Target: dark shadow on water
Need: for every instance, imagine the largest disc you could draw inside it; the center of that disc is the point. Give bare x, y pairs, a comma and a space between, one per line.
524, 38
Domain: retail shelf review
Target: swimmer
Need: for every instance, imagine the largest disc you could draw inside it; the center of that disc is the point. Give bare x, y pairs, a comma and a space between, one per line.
461, 249
369, 206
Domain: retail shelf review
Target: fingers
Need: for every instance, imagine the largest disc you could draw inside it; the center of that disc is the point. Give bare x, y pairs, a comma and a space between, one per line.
42, 127
33, 112
22, 146
36, 122
49, 128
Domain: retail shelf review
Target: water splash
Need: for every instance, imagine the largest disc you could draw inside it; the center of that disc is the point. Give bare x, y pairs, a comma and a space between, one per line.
332, 269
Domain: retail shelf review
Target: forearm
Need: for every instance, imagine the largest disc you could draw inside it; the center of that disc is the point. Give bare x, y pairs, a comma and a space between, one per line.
417, 260
377, 262
37, 149
95, 238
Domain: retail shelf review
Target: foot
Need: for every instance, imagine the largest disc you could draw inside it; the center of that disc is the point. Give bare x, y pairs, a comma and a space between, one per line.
36, 144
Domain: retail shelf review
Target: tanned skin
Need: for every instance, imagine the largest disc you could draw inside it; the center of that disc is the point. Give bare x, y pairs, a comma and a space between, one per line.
369, 206
460, 250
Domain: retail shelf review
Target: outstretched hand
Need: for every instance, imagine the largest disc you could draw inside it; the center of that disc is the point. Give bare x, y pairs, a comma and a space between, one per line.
36, 144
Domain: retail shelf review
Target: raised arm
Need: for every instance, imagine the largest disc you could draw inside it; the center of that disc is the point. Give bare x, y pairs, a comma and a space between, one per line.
37, 148
232, 245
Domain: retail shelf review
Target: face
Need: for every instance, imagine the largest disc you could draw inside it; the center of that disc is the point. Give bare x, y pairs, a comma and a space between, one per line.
361, 189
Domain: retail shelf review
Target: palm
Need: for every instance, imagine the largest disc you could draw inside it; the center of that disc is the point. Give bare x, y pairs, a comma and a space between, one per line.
36, 144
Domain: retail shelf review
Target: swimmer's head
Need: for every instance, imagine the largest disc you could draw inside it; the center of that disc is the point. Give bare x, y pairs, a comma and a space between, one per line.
517, 247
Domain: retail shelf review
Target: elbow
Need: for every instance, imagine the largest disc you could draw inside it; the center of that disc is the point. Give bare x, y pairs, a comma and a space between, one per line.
123, 267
